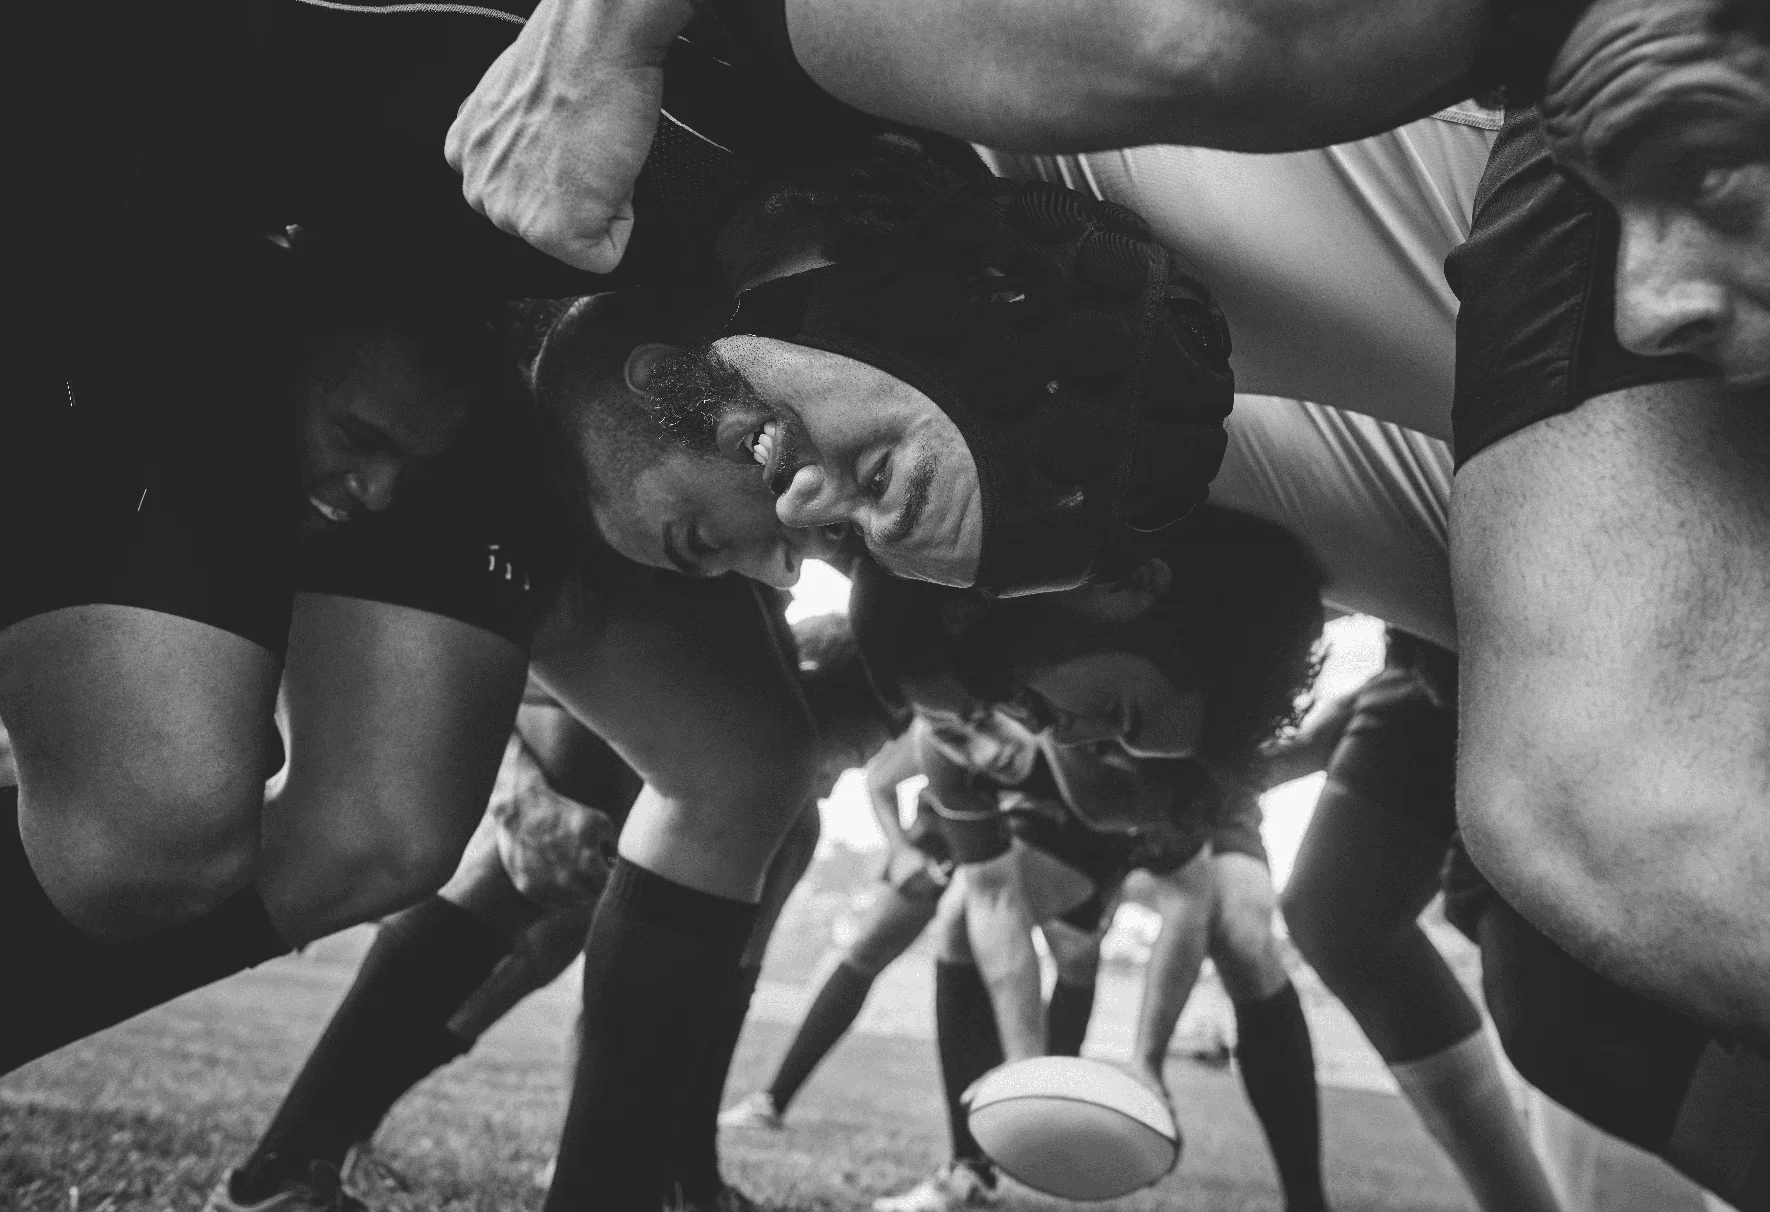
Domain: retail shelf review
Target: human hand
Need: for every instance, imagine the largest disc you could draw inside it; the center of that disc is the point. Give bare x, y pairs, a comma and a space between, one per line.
910, 872
556, 851
551, 141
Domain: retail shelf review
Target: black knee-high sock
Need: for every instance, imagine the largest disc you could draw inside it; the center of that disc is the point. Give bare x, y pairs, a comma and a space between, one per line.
80, 985
658, 957
1277, 1064
1066, 1018
697, 1131
832, 1012
389, 1032
969, 1043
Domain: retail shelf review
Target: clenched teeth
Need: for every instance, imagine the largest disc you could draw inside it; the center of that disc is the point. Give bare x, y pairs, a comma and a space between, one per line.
330, 512
762, 442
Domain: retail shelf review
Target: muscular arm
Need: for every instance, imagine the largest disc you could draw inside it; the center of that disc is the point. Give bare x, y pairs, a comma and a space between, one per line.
888, 768
1082, 75
1313, 746
1611, 567
1184, 899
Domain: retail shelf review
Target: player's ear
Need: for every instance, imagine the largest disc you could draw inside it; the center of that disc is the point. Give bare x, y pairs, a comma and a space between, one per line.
643, 362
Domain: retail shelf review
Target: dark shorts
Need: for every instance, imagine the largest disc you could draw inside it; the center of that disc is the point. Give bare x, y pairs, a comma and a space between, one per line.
1399, 753
1536, 334
149, 461
1104, 858
149, 450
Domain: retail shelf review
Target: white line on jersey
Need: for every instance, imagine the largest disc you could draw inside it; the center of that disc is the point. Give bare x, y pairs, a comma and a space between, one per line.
465, 10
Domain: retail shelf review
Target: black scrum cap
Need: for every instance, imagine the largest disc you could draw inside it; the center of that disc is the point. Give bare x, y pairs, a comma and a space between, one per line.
1088, 374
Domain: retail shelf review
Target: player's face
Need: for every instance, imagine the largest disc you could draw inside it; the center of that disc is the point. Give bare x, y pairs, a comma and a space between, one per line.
1670, 121
705, 518
1111, 697
987, 741
1693, 270
843, 443
365, 422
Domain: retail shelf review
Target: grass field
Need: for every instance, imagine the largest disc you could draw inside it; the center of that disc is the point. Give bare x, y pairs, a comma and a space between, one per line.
149, 1115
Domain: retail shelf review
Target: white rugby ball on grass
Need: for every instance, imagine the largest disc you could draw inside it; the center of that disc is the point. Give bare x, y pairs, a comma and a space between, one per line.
1080, 1129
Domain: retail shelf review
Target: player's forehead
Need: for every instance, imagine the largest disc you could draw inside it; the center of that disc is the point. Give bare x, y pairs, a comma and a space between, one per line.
1660, 77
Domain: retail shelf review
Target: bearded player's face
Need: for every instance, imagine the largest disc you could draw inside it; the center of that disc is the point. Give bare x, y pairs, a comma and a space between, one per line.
838, 443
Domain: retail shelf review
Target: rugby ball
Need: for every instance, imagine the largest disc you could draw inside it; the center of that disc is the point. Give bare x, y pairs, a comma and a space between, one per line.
1076, 1128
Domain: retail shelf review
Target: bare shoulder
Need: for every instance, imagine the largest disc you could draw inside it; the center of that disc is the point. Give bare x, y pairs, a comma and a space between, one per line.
1620, 553
1667, 483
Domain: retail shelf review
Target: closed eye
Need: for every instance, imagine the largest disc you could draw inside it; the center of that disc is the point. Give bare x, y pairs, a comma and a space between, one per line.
876, 484
366, 439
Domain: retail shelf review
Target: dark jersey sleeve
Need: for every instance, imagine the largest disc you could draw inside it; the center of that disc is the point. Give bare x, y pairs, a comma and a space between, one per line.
1536, 333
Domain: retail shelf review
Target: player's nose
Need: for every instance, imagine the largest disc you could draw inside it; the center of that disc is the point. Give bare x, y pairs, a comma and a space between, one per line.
373, 484
812, 499
1670, 299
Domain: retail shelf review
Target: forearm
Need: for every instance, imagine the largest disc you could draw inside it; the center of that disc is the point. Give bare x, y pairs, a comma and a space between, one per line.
1000, 930
1081, 75
1168, 981
1313, 746
563, 37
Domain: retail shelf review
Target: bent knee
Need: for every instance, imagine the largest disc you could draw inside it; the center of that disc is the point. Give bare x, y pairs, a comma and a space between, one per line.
406, 867
119, 871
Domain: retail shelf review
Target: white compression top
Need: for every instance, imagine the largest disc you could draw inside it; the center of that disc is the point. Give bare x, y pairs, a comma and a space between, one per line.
1329, 266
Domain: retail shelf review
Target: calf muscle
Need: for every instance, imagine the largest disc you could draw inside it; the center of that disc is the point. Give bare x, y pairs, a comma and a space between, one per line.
1611, 571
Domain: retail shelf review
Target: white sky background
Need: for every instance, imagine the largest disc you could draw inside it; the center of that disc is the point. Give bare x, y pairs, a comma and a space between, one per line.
1355, 651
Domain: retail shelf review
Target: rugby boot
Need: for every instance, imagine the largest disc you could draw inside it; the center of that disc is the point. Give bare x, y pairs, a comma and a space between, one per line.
958, 1184
755, 1111
322, 1190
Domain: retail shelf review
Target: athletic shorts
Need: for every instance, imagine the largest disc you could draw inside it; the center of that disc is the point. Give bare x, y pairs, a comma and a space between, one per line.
1399, 753
1536, 334
150, 462
1105, 858
148, 447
